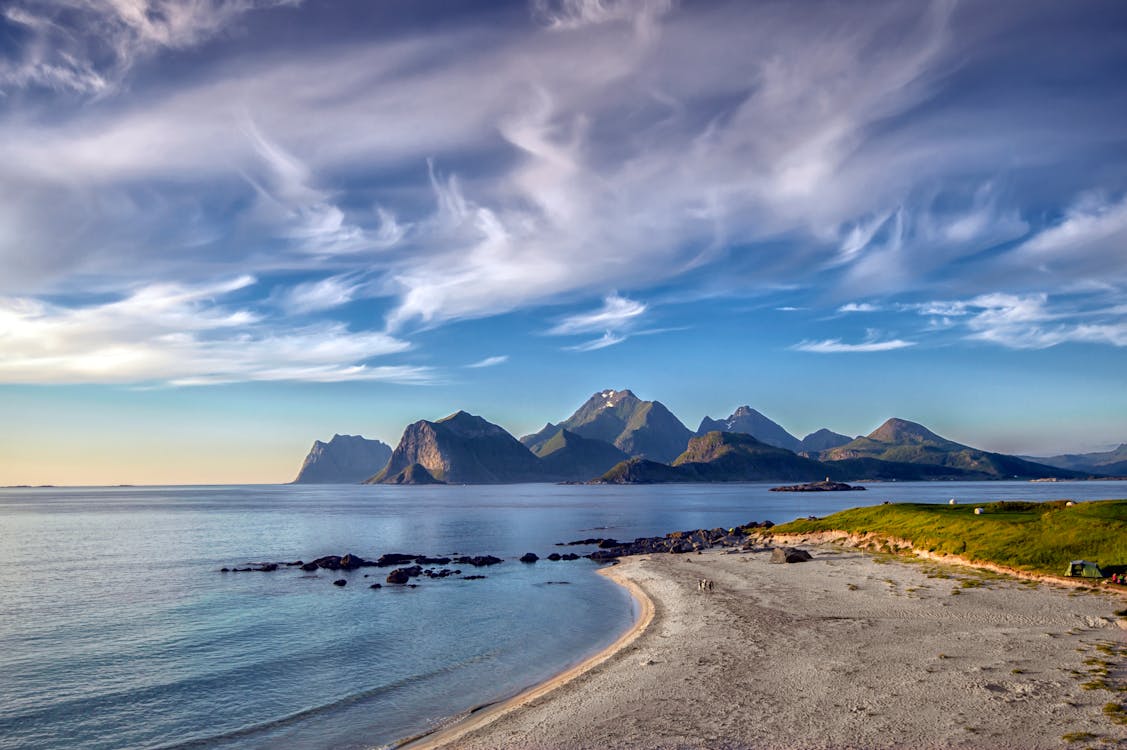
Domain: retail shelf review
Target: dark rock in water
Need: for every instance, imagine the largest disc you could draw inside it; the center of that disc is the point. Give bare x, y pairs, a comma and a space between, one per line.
555, 556
224, 570
329, 562
556, 583
529, 557
790, 555
352, 562
309, 567
267, 567
388, 560
478, 560
578, 542
569, 556
472, 578
608, 543
340, 582
399, 575
424, 560
823, 486
376, 586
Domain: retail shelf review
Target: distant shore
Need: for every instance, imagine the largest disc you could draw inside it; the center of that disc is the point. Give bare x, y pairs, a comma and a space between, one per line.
849, 650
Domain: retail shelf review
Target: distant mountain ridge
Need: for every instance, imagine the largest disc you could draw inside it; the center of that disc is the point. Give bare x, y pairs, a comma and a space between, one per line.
1108, 463
345, 459
617, 437
901, 441
751, 422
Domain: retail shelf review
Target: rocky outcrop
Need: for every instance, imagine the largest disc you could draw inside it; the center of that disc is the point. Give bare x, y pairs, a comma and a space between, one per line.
345, 459
824, 486
529, 557
461, 449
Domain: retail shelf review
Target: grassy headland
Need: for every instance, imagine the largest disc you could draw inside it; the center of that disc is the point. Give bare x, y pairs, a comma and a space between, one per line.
1029, 536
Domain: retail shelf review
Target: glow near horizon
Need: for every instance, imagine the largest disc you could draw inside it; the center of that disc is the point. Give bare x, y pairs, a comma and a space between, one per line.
234, 227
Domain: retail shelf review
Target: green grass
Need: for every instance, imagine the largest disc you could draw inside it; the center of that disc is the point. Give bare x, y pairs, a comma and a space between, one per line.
1036, 537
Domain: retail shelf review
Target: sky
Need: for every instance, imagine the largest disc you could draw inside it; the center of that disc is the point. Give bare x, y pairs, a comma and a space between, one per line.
231, 227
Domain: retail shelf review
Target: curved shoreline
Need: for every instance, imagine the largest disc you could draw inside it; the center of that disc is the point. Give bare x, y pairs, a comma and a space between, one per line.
483, 715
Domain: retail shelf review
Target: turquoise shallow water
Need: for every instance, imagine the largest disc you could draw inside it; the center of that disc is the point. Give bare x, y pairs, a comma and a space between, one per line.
117, 631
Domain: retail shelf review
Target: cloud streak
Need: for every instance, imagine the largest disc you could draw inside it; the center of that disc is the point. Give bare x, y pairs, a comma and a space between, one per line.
183, 335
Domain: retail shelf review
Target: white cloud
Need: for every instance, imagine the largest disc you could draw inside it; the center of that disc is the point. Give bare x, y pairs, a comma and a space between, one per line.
490, 361
87, 46
616, 313
324, 294
858, 307
1029, 321
1089, 243
837, 346
182, 335
607, 339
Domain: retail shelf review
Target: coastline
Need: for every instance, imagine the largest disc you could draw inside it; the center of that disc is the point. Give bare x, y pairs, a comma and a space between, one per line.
846, 651
481, 716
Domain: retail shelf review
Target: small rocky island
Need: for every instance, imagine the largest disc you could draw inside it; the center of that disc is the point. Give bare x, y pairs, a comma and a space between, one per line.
824, 486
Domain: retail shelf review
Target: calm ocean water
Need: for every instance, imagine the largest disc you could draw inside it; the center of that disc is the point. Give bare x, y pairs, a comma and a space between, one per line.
117, 631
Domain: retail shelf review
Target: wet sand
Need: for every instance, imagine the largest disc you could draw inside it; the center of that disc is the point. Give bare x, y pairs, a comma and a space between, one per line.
849, 650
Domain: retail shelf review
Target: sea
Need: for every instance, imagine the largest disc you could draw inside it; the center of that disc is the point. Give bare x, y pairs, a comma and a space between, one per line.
118, 630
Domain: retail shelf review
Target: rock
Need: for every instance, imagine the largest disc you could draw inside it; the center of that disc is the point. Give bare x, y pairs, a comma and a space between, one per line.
472, 578
399, 575
388, 560
329, 562
340, 582
529, 557
376, 586
309, 566
424, 560
569, 556
267, 567
224, 570
790, 555
478, 561
352, 562
608, 543
555, 557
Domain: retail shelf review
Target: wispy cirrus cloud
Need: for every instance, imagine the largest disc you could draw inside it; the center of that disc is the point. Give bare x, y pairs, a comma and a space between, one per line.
489, 362
466, 169
872, 343
184, 335
1031, 321
87, 46
616, 319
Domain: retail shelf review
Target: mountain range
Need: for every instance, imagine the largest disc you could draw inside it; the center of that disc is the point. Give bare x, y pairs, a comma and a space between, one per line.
1109, 463
615, 437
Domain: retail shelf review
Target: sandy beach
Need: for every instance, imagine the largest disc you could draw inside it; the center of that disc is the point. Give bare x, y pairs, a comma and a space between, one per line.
848, 650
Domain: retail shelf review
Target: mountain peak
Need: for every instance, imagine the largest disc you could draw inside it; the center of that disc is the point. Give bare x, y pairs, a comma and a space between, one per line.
899, 431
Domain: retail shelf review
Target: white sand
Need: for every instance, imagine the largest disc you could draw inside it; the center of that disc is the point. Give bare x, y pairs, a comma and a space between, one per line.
845, 651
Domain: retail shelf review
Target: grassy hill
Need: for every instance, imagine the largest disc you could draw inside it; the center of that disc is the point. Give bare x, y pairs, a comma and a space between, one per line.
1037, 537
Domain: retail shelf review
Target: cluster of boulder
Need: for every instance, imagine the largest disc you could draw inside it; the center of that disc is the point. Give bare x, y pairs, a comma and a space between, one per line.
408, 566
677, 542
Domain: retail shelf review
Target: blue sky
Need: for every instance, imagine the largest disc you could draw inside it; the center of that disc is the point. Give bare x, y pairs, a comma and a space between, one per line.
229, 227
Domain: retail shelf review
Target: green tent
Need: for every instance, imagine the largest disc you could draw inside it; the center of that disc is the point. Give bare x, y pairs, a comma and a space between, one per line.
1084, 569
